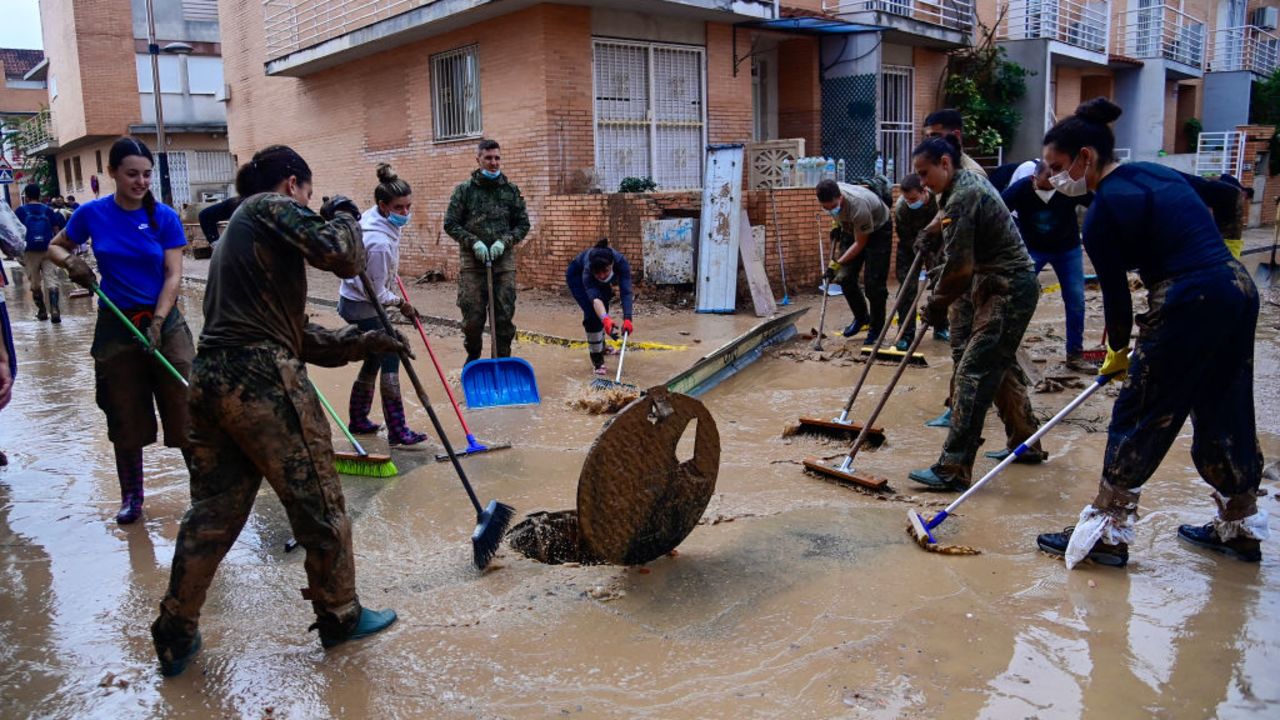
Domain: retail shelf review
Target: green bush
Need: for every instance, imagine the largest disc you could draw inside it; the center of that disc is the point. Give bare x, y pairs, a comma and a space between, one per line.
1192, 129
637, 185
984, 85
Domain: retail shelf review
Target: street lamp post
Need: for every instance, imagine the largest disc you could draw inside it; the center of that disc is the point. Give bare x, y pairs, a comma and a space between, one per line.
153, 49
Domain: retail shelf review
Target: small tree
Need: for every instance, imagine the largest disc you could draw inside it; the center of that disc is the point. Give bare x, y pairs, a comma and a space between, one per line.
984, 85
1264, 109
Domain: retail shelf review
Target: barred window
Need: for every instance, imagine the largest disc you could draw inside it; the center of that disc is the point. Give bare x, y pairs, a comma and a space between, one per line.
455, 93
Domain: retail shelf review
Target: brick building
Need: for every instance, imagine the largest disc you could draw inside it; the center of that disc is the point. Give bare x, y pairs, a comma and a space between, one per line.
20, 100
580, 96
99, 86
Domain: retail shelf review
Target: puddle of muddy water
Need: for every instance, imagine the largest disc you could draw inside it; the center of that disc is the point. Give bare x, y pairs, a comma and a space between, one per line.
796, 597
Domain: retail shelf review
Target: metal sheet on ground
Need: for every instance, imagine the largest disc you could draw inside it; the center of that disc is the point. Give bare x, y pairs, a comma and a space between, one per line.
717, 284
714, 367
636, 499
668, 250
751, 248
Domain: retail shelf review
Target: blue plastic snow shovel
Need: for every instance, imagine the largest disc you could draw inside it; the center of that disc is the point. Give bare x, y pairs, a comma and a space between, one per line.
498, 382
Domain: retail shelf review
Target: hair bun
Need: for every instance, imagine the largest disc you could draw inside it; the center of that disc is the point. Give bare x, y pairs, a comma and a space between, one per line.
386, 174
1099, 110
602, 242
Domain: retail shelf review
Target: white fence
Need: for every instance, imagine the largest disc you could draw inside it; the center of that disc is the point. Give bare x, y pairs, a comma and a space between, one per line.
1161, 31
1220, 153
955, 14
295, 24
1082, 24
1245, 48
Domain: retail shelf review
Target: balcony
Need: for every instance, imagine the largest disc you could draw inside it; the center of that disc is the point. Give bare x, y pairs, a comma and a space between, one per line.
939, 23
1083, 25
1245, 48
34, 136
295, 24
1162, 32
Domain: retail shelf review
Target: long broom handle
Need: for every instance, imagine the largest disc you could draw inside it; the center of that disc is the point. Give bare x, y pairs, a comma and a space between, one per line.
146, 344
493, 310
337, 420
422, 394
1021, 449
617, 379
777, 235
822, 319
448, 391
884, 398
884, 333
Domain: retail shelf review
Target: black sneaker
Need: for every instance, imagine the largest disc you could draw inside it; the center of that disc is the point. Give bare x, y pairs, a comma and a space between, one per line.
853, 328
1206, 536
1101, 553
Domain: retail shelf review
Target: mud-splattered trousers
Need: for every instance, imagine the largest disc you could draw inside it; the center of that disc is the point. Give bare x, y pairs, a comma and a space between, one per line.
990, 324
873, 263
473, 301
1193, 356
254, 415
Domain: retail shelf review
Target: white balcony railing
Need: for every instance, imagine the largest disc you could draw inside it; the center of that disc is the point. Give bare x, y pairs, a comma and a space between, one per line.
954, 14
35, 134
292, 25
1220, 153
1161, 31
1081, 24
1245, 48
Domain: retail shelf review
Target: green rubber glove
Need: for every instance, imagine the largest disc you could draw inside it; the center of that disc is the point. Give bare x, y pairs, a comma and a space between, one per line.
481, 251
496, 249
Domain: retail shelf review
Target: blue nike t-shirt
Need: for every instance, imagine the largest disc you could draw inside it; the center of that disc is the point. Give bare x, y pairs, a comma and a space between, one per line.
128, 246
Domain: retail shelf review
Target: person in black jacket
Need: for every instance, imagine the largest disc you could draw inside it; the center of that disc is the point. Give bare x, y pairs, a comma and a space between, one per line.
591, 277
1050, 229
217, 213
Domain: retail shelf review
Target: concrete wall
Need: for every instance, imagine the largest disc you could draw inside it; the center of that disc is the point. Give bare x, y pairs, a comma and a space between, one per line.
1141, 92
1226, 100
1034, 56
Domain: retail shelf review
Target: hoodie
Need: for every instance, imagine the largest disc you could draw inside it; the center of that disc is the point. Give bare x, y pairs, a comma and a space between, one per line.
382, 244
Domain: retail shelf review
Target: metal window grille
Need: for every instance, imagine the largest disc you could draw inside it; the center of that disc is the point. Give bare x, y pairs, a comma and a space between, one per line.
1220, 153
455, 93
650, 113
211, 167
897, 113
179, 178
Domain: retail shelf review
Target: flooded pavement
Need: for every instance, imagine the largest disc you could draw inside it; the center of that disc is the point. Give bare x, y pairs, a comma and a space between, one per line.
795, 597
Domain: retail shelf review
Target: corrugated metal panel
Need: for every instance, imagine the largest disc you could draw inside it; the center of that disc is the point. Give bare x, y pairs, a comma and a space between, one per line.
718, 229
211, 166
668, 251
200, 10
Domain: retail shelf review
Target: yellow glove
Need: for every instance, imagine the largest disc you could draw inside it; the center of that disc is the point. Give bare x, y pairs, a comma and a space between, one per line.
1116, 366
832, 269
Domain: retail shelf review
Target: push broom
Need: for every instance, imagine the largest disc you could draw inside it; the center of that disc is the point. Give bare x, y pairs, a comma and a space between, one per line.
474, 447
492, 520
840, 426
922, 530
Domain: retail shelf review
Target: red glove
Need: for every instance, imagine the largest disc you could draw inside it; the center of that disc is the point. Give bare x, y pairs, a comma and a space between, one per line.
608, 325
626, 327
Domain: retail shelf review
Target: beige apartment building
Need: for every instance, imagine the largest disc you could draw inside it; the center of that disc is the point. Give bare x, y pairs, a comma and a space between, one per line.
20, 100
97, 71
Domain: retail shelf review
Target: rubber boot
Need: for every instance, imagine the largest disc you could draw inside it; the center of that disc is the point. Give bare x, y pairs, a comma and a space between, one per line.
398, 432
358, 407
597, 362
129, 470
367, 623
55, 312
41, 312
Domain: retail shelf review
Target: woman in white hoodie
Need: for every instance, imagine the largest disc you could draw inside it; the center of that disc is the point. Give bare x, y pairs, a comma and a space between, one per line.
381, 225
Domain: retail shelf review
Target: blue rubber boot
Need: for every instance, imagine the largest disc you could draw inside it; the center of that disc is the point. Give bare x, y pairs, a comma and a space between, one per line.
943, 420
934, 481
1031, 457
369, 622
173, 664
942, 335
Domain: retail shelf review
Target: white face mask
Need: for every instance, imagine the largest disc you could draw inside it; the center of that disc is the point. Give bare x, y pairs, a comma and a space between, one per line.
1069, 186
1045, 194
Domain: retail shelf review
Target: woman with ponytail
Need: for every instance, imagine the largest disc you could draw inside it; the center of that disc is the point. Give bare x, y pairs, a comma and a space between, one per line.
255, 414
138, 244
381, 226
591, 277
988, 283
1194, 350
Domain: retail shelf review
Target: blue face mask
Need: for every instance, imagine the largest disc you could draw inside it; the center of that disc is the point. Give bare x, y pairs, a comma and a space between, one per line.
835, 211
491, 174
397, 220
916, 205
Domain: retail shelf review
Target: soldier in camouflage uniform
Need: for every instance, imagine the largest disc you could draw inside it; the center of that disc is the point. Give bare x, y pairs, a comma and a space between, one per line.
863, 234
487, 218
987, 268
254, 412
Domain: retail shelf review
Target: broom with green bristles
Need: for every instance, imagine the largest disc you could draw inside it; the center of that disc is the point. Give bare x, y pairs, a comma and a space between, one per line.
360, 462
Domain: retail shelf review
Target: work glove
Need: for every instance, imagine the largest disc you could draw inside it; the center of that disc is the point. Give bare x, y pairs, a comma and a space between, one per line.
407, 310
155, 332
496, 249
832, 268
379, 341
481, 250
608, 325
627, 327
935, 313
836, 232
925, 242
80, 272
1116, 366
337, 204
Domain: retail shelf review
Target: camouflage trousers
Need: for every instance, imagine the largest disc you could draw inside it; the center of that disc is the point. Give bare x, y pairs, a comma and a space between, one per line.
986, 330
1193, 357
473, 301
254, 414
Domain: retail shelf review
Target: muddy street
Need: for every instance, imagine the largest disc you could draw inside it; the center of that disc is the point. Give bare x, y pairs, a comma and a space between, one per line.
795, 596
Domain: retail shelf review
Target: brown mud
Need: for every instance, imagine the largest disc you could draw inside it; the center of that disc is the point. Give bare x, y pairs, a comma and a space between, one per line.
792, 598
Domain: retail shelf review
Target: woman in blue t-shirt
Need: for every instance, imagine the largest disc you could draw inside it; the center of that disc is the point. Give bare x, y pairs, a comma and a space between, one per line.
138, 244
1194, 352
591, 277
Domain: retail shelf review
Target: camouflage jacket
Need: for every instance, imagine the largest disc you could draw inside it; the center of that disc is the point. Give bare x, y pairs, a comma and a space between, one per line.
910, 223
486, 210
978, 236
257, 289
